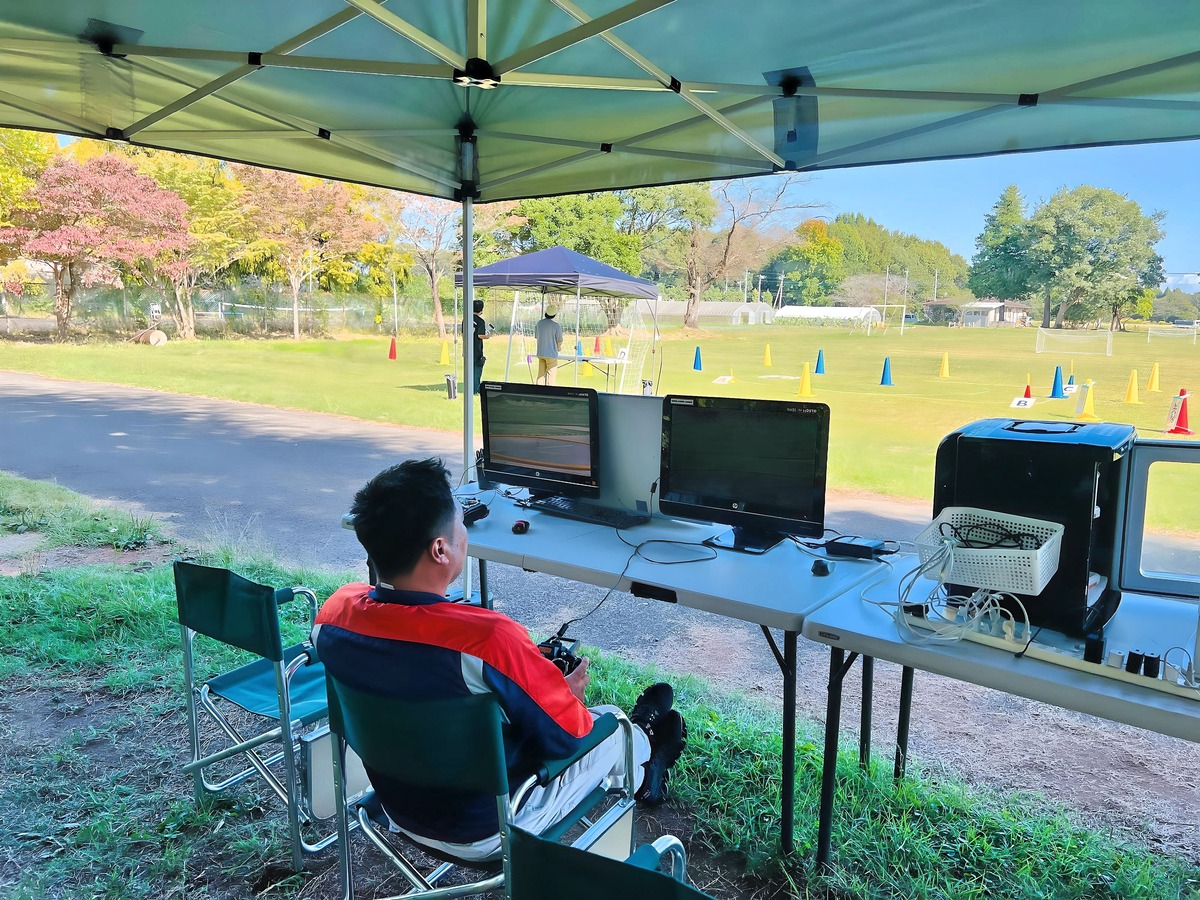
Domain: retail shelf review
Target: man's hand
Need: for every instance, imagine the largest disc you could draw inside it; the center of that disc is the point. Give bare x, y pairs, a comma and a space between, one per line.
578, 680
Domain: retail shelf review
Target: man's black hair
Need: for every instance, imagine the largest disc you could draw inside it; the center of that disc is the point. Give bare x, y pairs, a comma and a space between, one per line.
477, 306
400, 511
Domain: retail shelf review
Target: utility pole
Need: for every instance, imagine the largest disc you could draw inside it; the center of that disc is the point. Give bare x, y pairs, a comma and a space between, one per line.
745, 285
760, 281
886, 277
935, 278
906, 285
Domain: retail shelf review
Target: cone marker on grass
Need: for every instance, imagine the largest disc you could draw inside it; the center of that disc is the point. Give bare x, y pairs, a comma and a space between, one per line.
805, 383
886, 379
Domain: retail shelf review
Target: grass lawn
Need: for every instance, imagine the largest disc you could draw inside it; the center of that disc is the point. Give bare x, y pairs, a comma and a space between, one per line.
92, 737
883, 438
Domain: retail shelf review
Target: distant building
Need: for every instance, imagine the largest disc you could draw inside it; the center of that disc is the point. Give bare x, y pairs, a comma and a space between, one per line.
994, 313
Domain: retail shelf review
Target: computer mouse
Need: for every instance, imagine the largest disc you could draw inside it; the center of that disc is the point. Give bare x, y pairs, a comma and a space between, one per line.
822, 567
520, 526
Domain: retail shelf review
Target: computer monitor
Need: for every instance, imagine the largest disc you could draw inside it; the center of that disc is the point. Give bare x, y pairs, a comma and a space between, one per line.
758, 465
541, 437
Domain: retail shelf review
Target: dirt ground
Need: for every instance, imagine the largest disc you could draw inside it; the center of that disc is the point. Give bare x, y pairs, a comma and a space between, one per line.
1138, 785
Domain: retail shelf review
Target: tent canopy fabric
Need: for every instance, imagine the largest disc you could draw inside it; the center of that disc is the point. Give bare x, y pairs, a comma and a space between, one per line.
505, 99
561, 271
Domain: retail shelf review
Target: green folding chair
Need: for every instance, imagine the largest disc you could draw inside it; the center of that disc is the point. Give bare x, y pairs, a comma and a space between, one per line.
283, 690
464, 752
545, 870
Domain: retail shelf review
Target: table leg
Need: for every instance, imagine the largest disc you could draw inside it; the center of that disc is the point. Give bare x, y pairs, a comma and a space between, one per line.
787, 799
906, 689
833, 716
484, 598
864, 725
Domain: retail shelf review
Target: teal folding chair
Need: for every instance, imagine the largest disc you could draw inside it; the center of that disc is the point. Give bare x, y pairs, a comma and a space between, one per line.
465, 752
545, 870
283, 689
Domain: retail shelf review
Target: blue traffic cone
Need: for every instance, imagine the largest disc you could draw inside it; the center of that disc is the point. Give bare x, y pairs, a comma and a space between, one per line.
579, 348
1057, 392
696, 363
819, 369
1071, 379
886, 380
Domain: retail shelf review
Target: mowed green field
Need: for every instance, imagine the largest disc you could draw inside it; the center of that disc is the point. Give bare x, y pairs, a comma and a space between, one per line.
883, 438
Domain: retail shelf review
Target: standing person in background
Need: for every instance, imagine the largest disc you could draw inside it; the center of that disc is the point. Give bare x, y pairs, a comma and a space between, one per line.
481, 331
549, 342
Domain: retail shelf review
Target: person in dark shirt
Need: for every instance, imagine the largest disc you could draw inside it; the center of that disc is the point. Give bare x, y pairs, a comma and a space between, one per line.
401, 637
480, 332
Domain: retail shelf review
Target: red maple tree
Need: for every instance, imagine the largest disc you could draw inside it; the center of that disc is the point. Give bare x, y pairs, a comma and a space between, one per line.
89, 221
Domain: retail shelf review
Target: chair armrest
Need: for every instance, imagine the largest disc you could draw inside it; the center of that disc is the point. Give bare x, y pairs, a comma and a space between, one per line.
601, 729
287, 595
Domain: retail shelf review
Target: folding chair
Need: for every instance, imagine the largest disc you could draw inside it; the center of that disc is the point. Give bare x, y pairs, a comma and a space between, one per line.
464, 752
284, 689
544, 870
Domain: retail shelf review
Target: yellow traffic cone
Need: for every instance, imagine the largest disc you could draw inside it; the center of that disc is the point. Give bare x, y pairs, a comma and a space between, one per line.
1131, 392
588, 370
944, 371
767, 356
608, 347
805, 383
444, 360
1153, 385
1085, 409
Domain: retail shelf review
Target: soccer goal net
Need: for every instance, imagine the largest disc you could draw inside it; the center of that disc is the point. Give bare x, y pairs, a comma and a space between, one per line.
1173, 332
890, 315
1057, 340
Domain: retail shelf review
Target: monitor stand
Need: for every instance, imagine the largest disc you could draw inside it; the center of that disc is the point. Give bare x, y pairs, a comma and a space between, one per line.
745, 540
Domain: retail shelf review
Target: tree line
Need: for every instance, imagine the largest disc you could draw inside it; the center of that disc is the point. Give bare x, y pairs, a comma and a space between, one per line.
96, 213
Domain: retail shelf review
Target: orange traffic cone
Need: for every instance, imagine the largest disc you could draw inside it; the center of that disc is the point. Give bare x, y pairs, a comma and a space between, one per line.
392, 350
1178, 420
1028, 392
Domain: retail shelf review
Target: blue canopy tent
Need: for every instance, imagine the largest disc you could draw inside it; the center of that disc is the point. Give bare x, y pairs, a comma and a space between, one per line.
558, 270
484, 100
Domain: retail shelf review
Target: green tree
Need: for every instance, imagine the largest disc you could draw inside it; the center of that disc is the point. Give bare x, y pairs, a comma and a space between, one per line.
1092, 246
218, 225
303, 225
1176, 304
812, 268
915, 268
585, 223
23, 156
1002, 266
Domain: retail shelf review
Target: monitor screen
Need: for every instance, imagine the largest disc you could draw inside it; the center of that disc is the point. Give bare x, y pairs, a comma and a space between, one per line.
541, 437
758, 465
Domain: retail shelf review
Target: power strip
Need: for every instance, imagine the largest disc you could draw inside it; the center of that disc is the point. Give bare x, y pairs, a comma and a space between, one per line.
1047, 654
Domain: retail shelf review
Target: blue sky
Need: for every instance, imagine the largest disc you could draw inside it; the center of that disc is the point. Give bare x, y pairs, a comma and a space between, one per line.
946, 201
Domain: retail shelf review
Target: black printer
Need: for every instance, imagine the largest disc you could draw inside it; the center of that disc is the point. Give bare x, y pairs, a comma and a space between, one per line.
1072, 473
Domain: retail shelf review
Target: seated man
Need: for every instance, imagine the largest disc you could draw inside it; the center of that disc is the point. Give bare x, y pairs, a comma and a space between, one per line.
403, 638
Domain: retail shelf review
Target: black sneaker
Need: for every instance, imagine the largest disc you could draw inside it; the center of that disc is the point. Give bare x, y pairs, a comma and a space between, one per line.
654, 703
671, 739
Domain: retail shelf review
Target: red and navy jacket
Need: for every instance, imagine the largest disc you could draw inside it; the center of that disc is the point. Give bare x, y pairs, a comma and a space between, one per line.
418, 646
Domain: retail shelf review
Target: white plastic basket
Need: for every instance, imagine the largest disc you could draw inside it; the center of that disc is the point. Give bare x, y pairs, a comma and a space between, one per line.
1021, 571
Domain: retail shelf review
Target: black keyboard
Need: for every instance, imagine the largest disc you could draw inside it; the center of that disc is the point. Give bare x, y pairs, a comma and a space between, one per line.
586, 511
